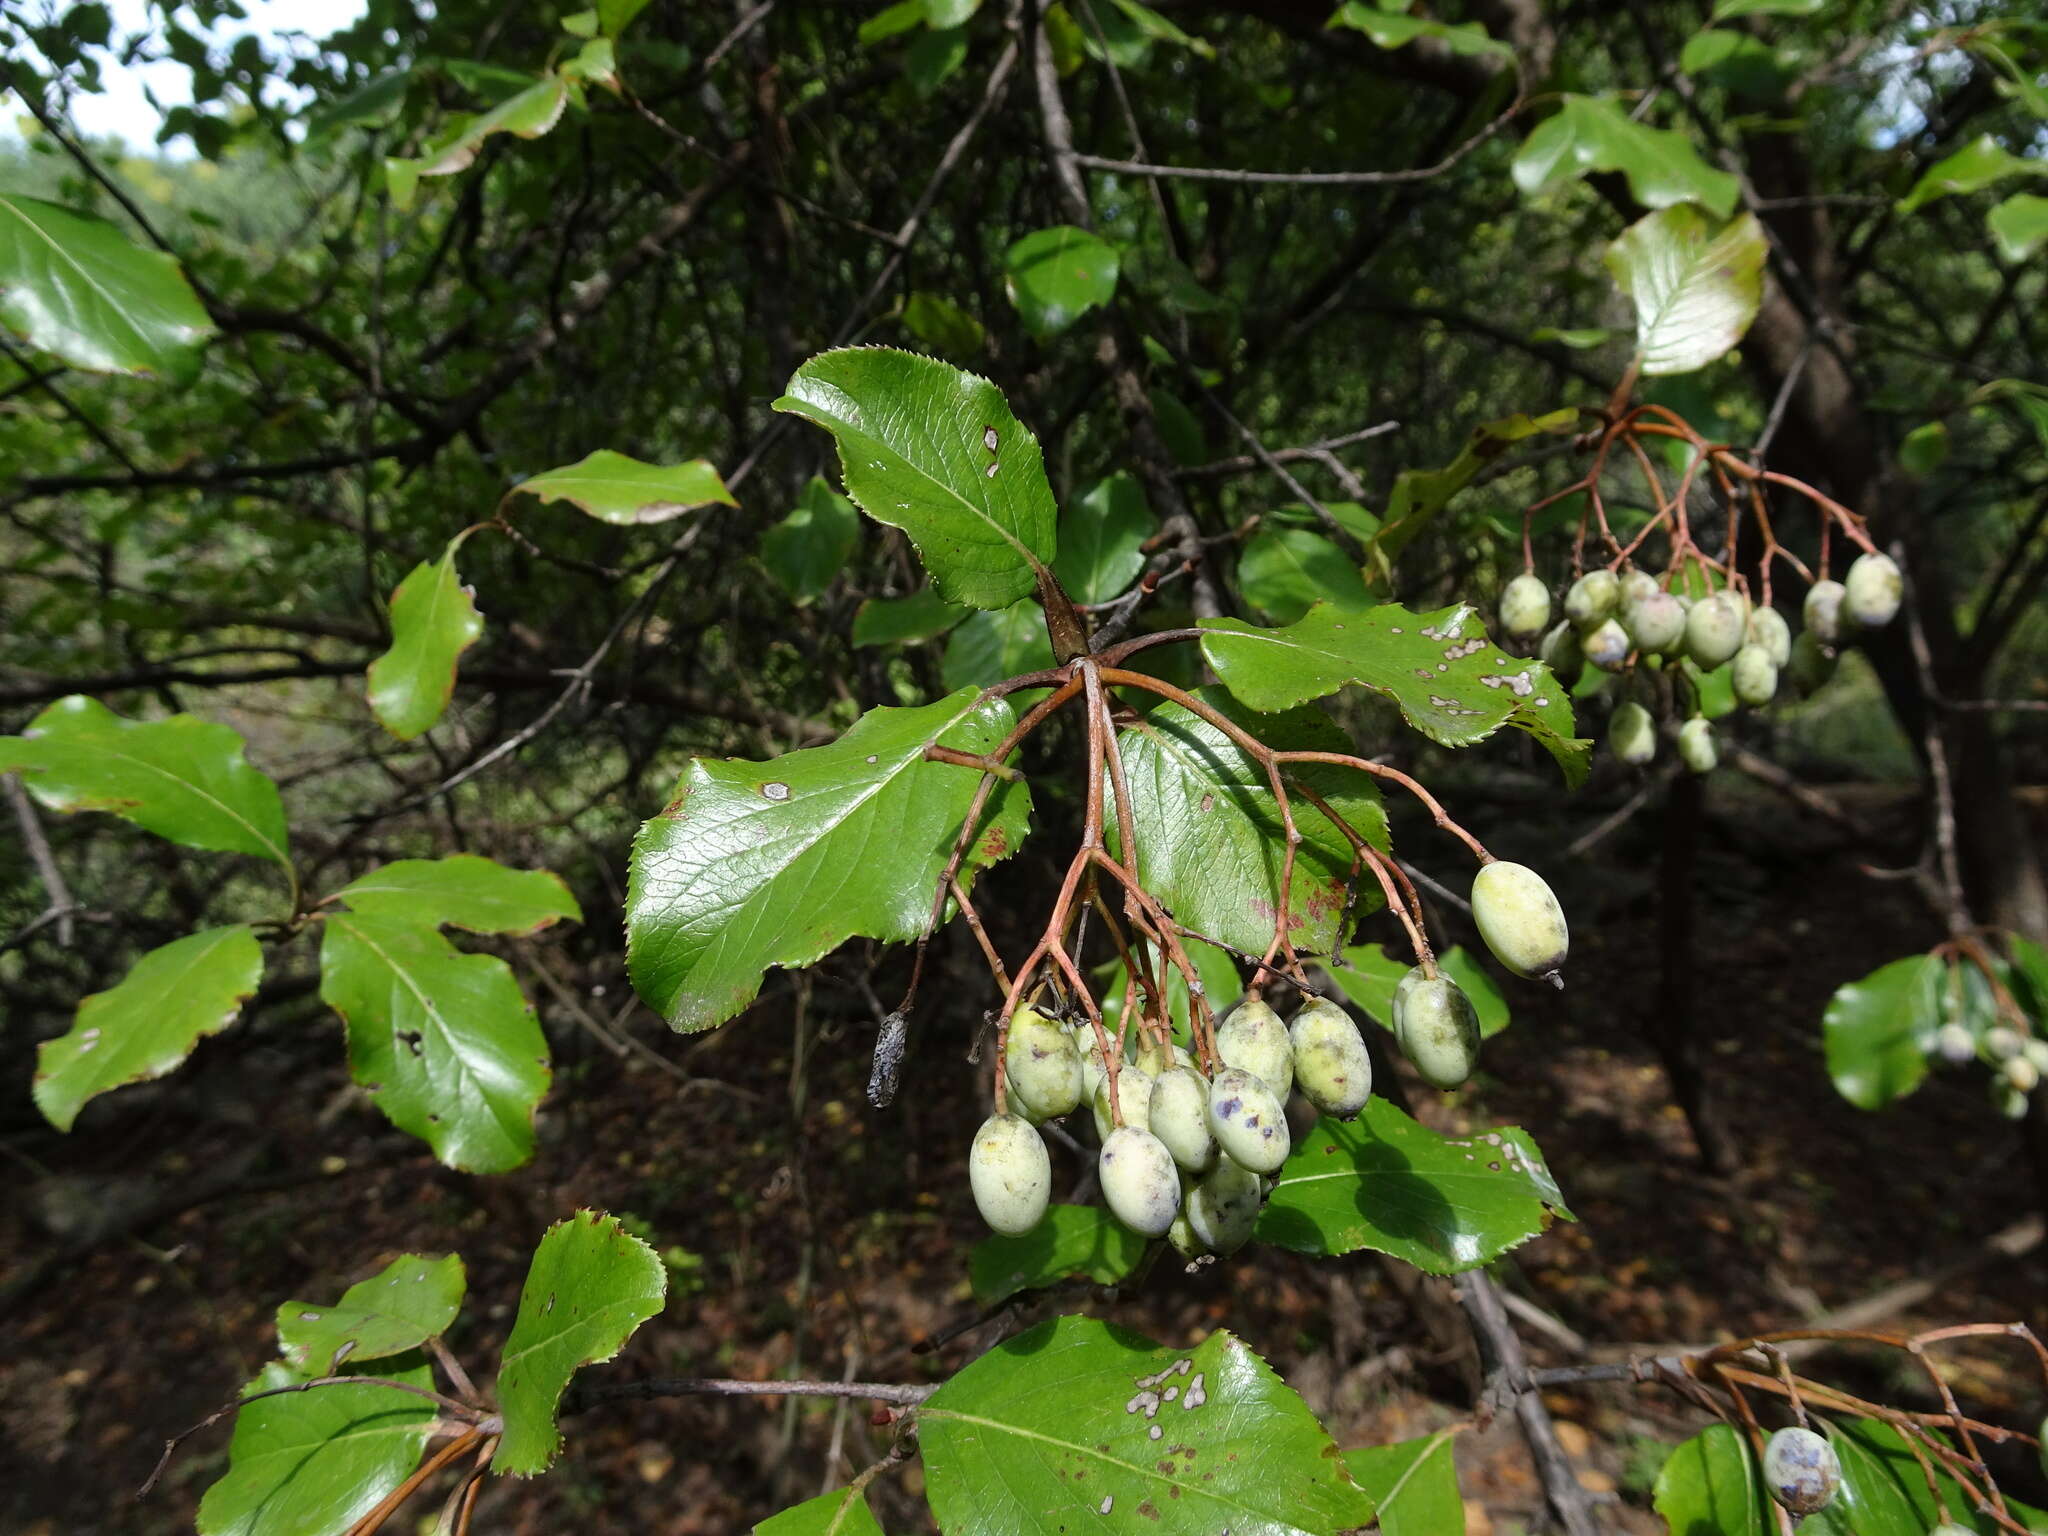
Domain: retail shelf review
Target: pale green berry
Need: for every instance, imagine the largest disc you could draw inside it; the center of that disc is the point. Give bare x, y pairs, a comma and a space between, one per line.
1713, 631
1224, 1205
1247, 1120
1955, 1044
1562, 653
1140, 1184
1606, 645
1154, 1058
1767, 628
1179, 1117
1822, 611
1950, 1528
2036, 1051
1656, 623
1592, 598
2008, 1100
1092, 1070
1524, 607
1696, 747
1010, 1174
1332, 1067
1410, 980
2022, 1074
1520, 920
1801, 1470
1251, 1036
2041, 1444
1043, 1068
2003, 1043
1635, 586
1438, 1031
1873, 590
1812, 663
1754, 679
1180, 1236
1133, 1097
1632, 733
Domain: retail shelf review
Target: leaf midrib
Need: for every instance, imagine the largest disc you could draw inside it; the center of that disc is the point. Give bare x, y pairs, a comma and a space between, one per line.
107, 744
137, 339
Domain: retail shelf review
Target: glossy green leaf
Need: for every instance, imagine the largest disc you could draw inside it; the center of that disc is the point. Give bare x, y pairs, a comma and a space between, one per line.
616, 489
181, 777
1981, 163
79, 288
1211, 843
943, 325
1284, 572
1387, 1183
1055, 276
148, 1023
919, 615
811, 546
1695, 287
992, 646
616, 15
1071, 1240
754, 865
1102, 539
580, 23
2019, 225
843, 1512
596, 61
443, 1042
1737, 62
1415, 1484
1395, 29
1877, 1031
314, 1462
914, 439
891, 21
1420, 494
1924, 449
526, 114
412, 1300
933, 58
1153, 27
1590, 133
1726, 9
434, 619
1449, 680
1871, 1500
1085, 1425
591, 1284
1710, 1486
463, 890
949, 13
1370, 974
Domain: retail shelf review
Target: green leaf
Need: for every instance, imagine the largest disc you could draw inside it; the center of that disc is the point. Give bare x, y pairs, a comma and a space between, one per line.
1088, 1425
1710, 1486
1871, 1501
2019, 225
1735, 60
616, 489
596, 61
1387, 1183
1877, 1031
1695, 288
1284, 572
1392, 29
1420, 494
913, 437
843, 1512
1449, 680
1152, 27
1415, 1484
182, 778
943, 325
949, 13
933, 58
1728, 9
1071, 1240
443, 1042
527, 114
148, 1023
317, 1461
1925, 448
1055, 276
1981, 163
1582, 339
811, 546
755, 865
580, 24
77, 287
434, 619
1210, 840
412, 1300
919, 615
1369, 975
1178, 427
1102, 539
463, 890
617, 15
592, 1283
990, 647
1589, 134
891, 21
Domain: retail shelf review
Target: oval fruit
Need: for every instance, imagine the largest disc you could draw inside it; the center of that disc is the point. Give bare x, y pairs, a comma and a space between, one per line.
1251, 1036
1520, 920
1592, 598
1632, 734
1562, 653
1524, 607
1656, 623
1713, 631
1140, 1184
1042, 1066
1332, 1067
1801, 1470
1635, 586
1179, 1117
1438, 1030
1873, 590
1696, 747
1247, 1120
1754, 679
1822, 611
1955, 1044
1224, 1205
1134, 1098
1010, 1174
1606, 645
1767, 628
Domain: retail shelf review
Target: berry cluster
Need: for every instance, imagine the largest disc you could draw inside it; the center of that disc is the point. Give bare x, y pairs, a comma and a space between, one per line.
1645, 626
2018, 1062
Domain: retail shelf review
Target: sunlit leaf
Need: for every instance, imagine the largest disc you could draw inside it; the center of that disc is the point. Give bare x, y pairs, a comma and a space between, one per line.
811, 546
843, 1512
1071, 1240
1395, 29
434, 619
1711, 1484
616, 489
919, 615
464, 891
1590, 133
998, 644
1102, 539
1981, 163
2019, 225
413, 1299
1877, 1031
1055, 276
1695, 288
1415, 1484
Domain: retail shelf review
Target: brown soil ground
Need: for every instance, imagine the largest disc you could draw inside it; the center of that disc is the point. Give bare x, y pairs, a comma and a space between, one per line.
832, 1237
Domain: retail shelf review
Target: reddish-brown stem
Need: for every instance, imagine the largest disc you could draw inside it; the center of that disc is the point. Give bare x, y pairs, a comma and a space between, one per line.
376, 1517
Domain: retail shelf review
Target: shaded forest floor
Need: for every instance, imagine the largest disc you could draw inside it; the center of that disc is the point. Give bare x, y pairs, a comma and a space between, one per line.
812, 1235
